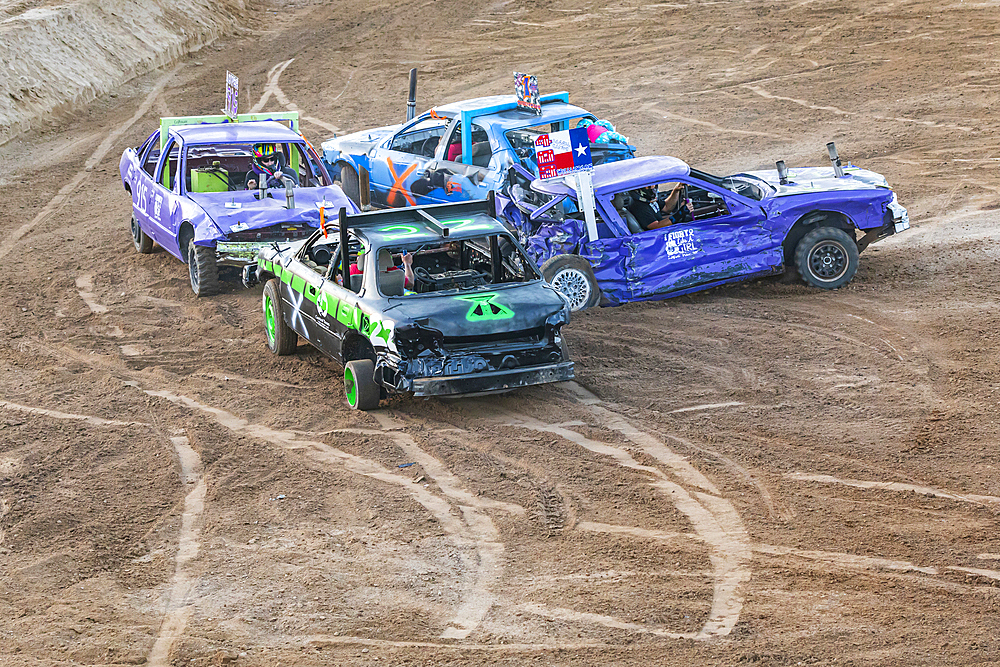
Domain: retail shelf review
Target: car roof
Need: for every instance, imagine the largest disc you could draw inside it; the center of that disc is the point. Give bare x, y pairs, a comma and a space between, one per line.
621, 175
424, 224
504, 112
267, 131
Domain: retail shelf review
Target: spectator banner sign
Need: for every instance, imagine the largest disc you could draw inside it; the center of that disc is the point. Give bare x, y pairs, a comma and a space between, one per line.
526, 87
562, 153
232, 95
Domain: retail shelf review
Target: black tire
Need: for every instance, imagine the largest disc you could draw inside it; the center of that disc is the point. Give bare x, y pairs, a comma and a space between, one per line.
573, 277
203, 270
359, 385
143, 244
281, 339
827, 258
349, 183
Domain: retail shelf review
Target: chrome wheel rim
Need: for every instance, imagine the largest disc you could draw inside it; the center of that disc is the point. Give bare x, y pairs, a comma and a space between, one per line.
574, 285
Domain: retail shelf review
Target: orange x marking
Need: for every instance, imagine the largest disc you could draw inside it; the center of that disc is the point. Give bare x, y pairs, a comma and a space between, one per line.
398, 186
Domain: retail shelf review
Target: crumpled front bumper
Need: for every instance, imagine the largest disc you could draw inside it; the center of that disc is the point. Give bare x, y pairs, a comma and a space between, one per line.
900, 218
471, 383
238, 253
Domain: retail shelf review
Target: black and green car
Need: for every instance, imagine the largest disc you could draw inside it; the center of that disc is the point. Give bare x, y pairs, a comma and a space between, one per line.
471, 315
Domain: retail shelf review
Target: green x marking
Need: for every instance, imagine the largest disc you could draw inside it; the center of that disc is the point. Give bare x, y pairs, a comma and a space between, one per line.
485, 308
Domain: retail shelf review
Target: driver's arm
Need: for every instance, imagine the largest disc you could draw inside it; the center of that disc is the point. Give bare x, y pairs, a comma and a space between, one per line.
411, 280
670, 203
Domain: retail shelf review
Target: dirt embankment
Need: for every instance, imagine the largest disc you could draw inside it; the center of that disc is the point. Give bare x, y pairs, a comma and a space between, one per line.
55, 58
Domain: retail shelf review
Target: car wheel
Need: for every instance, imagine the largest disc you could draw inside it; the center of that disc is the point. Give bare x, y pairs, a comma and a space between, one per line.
349, 183
827, 257
140, 239
572, 276
360, 386
281, 339
203, 270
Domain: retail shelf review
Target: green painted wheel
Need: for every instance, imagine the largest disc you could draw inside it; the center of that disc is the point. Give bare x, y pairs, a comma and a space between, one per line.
269, 320
350, 388
280, 338
362, 391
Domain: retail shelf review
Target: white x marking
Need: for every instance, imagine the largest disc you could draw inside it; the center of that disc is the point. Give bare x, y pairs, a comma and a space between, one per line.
298, 323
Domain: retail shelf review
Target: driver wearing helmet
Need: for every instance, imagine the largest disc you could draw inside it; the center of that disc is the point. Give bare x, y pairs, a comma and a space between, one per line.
650, 215
268, 166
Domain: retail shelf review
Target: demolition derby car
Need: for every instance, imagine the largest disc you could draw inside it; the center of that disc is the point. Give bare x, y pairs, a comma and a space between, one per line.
461, 318
187, 182
719, 229
458, 151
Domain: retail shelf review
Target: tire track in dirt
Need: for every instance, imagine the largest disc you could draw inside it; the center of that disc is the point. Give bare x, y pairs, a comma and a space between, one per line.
183, 582
56, 204
757, 90
272, 89
714, 519
471, 528
55, 414
481, 596
895, 486
875, 566
85, 288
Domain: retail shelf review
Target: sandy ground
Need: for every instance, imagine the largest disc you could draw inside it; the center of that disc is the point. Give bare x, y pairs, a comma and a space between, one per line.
760, 474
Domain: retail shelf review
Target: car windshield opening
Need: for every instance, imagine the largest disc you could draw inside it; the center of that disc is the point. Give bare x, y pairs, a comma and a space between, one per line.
462, 265
229, 167
742, 184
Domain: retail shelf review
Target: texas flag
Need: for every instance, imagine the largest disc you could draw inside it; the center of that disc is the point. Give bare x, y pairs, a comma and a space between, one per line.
561, 153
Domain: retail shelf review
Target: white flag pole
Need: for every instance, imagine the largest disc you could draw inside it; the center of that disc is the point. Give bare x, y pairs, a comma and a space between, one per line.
585, 193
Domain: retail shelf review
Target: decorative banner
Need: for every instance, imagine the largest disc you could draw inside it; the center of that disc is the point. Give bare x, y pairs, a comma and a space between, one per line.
562, 153
232, 95
526, 87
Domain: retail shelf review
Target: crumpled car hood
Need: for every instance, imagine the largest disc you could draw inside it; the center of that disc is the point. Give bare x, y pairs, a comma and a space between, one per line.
469, 313
358, 142
822, 179
254, 214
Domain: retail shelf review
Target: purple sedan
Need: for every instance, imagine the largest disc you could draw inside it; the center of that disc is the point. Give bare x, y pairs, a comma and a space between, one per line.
187, 182
665, 229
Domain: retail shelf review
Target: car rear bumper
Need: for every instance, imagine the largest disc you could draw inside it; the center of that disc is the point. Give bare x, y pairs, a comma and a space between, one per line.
471, 383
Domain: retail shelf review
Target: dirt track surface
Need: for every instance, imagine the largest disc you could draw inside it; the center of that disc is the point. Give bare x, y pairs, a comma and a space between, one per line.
761, 474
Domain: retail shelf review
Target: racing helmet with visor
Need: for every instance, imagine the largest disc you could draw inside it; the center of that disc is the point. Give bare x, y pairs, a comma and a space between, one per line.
265, 157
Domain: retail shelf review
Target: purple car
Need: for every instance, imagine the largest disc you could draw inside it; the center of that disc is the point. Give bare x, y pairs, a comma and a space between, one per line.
717, 229
207, 218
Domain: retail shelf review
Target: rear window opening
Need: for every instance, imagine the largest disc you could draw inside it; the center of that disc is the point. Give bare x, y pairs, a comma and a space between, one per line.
441, 266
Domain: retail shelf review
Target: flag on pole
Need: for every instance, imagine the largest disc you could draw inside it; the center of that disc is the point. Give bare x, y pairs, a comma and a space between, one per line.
562, 153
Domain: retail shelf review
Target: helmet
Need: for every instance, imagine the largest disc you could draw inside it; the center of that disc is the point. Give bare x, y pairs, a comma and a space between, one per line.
647, 194
264, 153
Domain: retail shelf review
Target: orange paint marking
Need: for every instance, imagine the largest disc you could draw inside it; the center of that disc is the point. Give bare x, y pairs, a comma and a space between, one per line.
398, 185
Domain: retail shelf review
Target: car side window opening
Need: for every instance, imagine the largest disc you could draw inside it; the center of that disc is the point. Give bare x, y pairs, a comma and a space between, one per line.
421, 138
323, 257
168, 173
481, 149
464, 265
152, 156
656, 206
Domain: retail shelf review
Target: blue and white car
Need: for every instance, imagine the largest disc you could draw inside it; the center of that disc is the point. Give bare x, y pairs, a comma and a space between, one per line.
205, 217
454, 152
